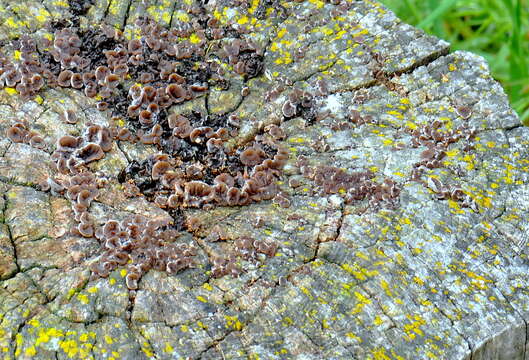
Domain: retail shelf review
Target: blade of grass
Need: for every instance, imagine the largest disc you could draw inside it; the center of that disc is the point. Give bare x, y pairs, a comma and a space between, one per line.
435, 14
517, 64
413, 9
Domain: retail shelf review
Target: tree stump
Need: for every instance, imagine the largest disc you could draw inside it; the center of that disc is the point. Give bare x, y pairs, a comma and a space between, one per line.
400, 216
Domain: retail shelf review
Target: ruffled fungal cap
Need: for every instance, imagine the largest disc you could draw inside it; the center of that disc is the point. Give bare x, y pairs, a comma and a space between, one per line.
86, 229
69, 116
102, 106
37, 142
16, 134
76, 81
90, 152
159, 169
226, 179
101, 73
288, 109
197, 134
146, 118
67, 143
181, 126
176, 92
233, 196
135, 46
252, 156
275, 131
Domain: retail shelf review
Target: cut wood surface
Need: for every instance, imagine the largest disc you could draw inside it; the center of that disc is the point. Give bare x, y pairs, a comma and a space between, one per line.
400, 216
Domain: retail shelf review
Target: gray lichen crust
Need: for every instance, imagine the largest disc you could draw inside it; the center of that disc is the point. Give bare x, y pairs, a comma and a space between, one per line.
401, 225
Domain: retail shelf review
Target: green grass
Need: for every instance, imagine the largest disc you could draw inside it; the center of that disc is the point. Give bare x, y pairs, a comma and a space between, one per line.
498, 30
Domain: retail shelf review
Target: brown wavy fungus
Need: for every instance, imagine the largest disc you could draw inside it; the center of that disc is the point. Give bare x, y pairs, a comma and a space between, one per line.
138, 80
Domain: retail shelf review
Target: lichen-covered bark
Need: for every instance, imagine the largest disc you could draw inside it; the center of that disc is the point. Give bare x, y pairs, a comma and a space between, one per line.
424, 275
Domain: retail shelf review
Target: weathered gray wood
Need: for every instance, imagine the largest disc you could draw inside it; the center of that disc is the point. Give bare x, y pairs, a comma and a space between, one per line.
427, 279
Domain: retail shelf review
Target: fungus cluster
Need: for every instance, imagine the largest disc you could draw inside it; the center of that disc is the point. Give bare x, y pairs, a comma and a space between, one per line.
299, 103
72, 153
247, 249
450, 192
138, 81
141, 245
199, 172
27, 75
19, 133
356, 118
437, 142
245, 57
354, 187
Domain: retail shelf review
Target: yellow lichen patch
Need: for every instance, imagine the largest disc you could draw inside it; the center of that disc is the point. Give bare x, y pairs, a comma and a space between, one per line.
194, 39
39, 100
362, 301
207, 286
319, 3
405, 220
359, 272
411, 125
452, 153
31, 351
455, 208
202, 299
350, 335
396, 114
243, 20
108, 340
43, 15
11, 91
10, 21
361, 255
327, 31
452, 67
418, 280
182, 16
45, 335
233, 323
281, 33
168, 348
83, 298
477, 281
148, 352
508, 178
361, 32
60, 3
385, 286
380, 354
166, 17
412, 329
340, 34
287, 321
297, 140
69, 347
306, 291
